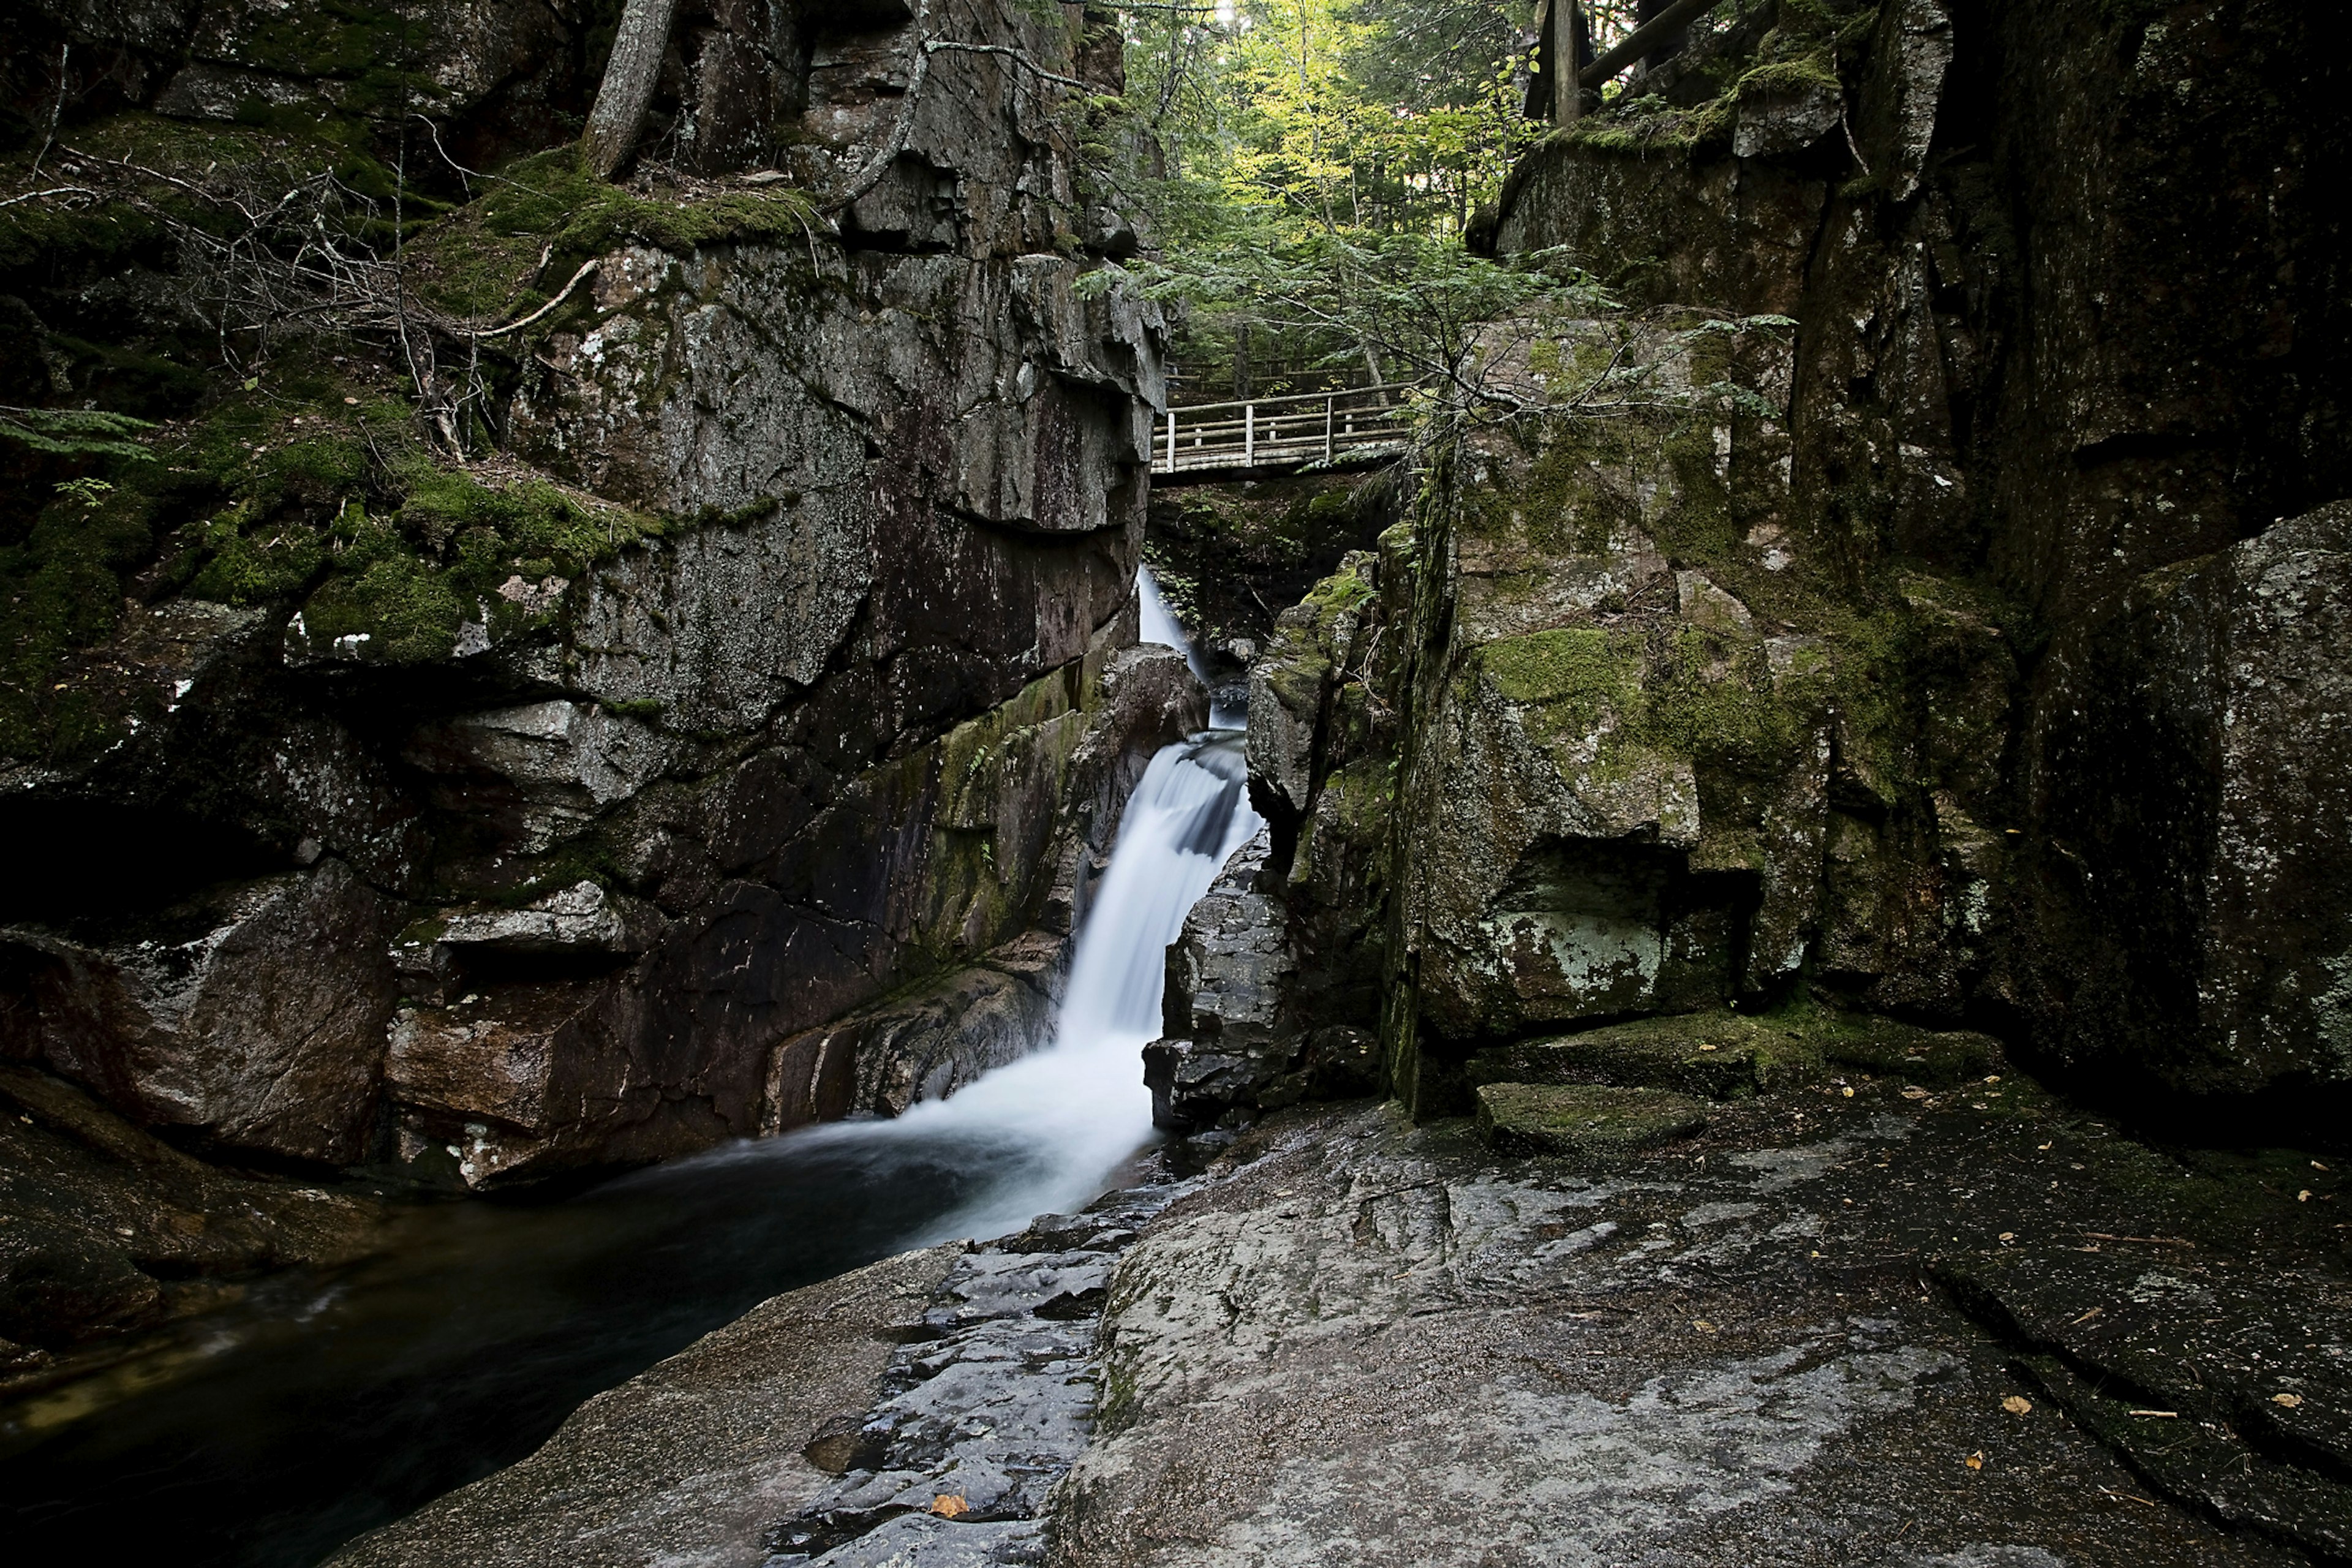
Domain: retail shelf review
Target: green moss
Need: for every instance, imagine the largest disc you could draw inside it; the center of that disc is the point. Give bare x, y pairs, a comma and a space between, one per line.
523, 237
1807, 73
1577, 673
1591, 1123
274, 152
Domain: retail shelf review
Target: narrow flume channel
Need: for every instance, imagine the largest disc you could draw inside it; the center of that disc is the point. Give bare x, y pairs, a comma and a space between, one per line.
322, 1407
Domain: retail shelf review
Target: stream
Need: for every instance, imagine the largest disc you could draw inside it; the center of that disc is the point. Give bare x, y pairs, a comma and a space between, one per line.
322, 1405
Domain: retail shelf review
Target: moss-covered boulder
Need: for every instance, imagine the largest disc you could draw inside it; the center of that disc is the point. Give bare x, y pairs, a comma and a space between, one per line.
1725, 1056
1589, 1123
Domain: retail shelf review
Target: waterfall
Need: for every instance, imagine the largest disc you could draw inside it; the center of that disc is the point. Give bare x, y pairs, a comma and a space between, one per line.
1227, 710
1160, 623
1042, 1133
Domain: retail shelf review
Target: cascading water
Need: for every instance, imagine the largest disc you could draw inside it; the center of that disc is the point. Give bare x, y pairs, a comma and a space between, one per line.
1057, 1123
1160, 625
238, 1438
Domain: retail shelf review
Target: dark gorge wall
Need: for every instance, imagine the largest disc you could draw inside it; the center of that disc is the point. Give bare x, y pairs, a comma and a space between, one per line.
763, 658
1975, 662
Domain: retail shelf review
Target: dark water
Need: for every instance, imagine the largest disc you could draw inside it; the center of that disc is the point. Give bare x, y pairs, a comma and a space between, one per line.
273, 1431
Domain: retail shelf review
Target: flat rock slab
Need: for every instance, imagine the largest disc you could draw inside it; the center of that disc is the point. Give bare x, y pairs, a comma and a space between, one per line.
685, 1465
1367, 1343
1585, 1122
1724, 1056
2223, 1383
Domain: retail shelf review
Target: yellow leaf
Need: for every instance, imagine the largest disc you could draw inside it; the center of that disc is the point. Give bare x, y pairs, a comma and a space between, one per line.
1975, 1461
2018, 1404
2289, 1400
950, 1505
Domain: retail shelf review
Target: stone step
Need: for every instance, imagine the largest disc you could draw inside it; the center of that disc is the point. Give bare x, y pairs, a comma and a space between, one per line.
1729, 1056
1588, 1122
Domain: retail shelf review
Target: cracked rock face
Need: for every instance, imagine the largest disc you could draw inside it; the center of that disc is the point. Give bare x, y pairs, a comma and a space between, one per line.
624, 870
258, 1020
1356, 1337
2197, 902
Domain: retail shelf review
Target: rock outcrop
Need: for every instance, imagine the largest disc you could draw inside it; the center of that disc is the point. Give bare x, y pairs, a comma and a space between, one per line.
738, 742
1941, 633
109, 1228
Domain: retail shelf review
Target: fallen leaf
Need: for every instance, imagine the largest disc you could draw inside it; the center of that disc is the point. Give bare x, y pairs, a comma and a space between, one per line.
2094, 1311
1915, 1092
2317, 1166
1707, 1047
1847, 1093
2018, 1404
950, 1505
1994, 1078
2289, 1400
1702, 1325
2009, 1236
2304, 1196
1975, 1461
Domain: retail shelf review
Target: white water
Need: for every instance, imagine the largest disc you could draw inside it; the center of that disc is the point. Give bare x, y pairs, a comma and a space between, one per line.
1041, 1135
1079, 1106
1160, 626
1160, 623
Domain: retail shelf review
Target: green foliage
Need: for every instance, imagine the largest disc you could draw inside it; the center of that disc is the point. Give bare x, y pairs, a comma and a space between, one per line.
74, 432
1345, 122
1418, 307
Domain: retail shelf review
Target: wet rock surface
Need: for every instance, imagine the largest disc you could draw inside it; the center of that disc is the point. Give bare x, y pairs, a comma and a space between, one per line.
685, 1463
103, 1226
985, 1410
1752, 1344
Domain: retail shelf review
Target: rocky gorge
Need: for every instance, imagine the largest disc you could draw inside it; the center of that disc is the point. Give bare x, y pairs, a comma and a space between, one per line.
1788, 1004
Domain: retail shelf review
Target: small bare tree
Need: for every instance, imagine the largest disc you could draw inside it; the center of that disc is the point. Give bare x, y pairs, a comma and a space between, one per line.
627, 90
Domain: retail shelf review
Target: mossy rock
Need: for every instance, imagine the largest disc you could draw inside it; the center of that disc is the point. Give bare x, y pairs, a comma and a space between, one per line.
1727, 1056
1588, 1121
1907, 1051
1717, 1055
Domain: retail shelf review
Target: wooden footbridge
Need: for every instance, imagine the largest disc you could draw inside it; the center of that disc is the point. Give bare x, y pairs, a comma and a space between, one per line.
1279, 434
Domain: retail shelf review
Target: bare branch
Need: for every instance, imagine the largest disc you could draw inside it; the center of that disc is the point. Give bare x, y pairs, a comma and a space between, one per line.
585, 268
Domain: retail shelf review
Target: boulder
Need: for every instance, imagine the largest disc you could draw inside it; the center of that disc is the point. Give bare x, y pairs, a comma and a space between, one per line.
1586, 1123
2196, 916
110, 1229
255, 1017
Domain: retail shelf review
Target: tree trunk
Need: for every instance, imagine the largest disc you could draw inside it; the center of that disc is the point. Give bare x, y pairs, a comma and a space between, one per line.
628, 86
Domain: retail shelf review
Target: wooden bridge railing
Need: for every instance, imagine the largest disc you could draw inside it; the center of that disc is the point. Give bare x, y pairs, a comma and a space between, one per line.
1280, 432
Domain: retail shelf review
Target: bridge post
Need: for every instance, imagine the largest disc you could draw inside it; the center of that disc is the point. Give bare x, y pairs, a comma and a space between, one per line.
1171, 438
1328, 403
1249, 435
